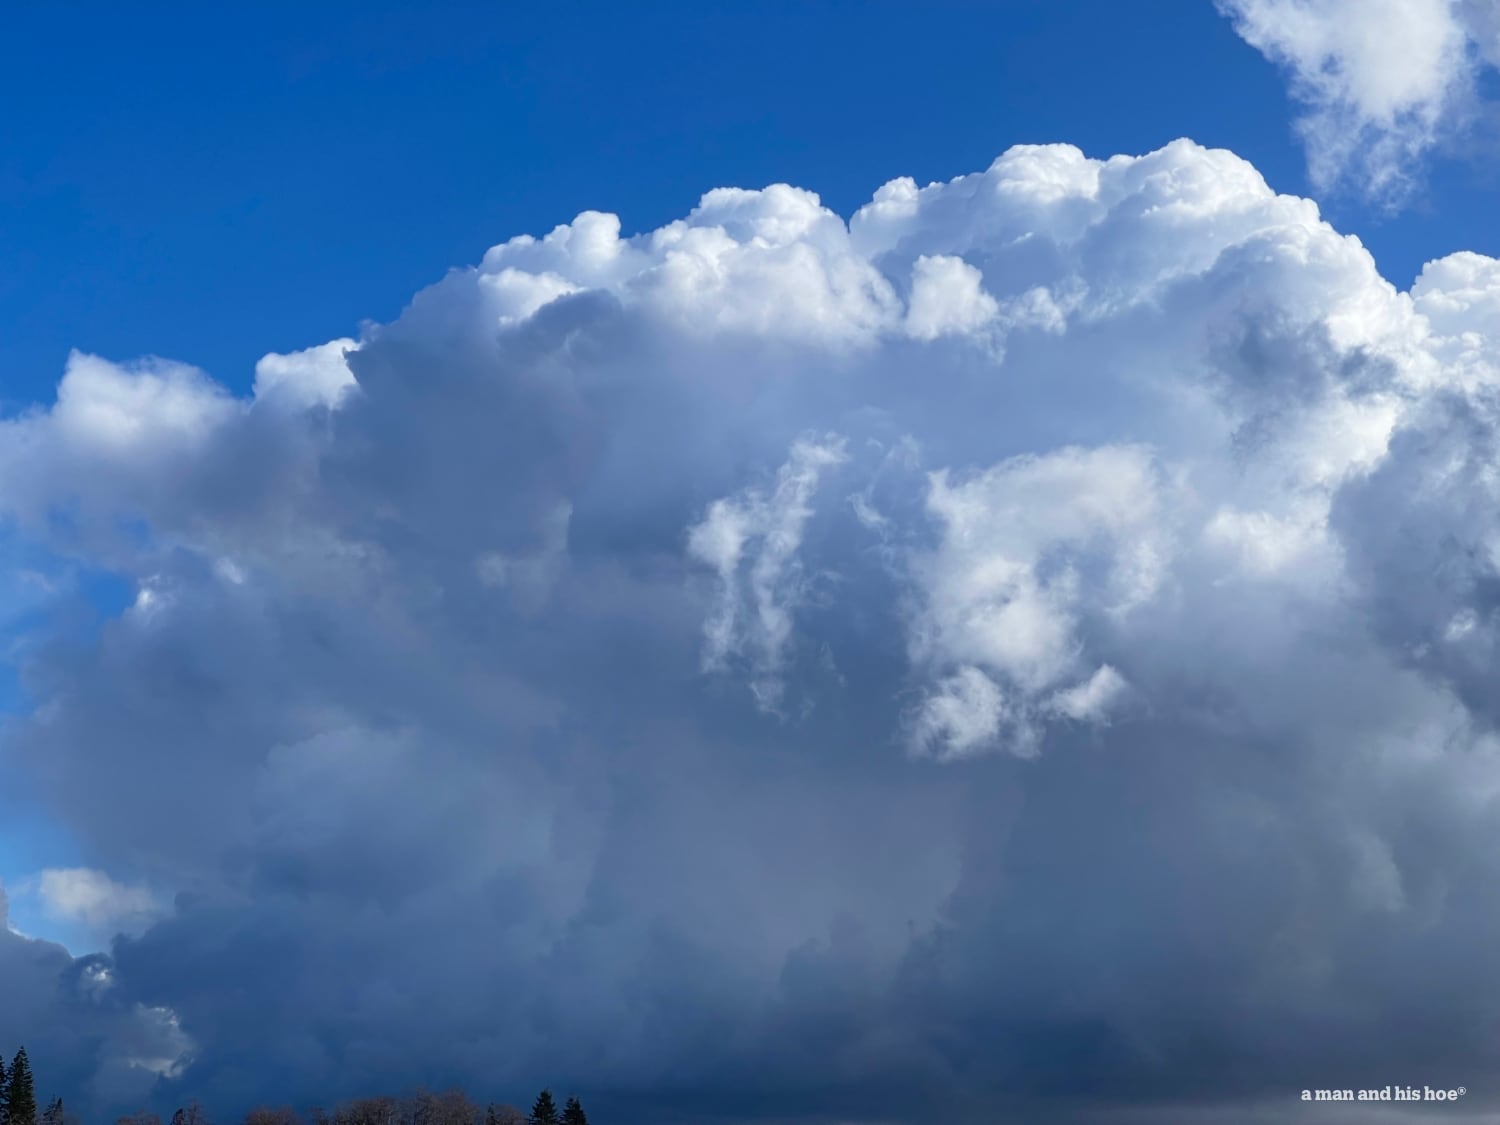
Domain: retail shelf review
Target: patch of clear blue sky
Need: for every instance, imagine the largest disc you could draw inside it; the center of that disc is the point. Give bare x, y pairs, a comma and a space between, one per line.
209, 182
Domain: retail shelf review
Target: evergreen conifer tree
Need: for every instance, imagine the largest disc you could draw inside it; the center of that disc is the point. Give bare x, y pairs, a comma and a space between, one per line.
573, 1114
4, 1094
20, 1092
544, 1111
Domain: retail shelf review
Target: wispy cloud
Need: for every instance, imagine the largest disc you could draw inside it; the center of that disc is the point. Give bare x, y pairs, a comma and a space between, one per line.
1384, 82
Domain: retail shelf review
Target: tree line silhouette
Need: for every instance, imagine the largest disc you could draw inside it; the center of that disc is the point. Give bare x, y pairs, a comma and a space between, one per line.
18, 1106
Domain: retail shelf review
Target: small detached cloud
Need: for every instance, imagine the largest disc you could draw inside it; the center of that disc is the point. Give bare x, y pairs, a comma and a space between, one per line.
89, 898
1384, 82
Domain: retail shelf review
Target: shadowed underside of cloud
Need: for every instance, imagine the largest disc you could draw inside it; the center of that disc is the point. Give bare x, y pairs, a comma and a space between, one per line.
1026, 651
1384, 82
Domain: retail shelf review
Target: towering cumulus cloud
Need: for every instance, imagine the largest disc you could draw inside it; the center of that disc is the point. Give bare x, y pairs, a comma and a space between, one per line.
1029, 648
1384, 81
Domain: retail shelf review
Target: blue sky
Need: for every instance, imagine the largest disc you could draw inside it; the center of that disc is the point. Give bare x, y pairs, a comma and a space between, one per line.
495, 591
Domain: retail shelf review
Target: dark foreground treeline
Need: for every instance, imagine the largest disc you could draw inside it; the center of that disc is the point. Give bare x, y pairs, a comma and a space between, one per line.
451, 1107
18, 1106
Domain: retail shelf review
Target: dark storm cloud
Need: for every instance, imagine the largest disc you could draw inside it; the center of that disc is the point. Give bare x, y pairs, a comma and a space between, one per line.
954, 664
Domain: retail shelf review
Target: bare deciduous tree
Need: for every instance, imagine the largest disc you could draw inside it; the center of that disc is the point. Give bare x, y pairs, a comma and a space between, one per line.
368, 1111
504, 1115
453, 1107
265, 1115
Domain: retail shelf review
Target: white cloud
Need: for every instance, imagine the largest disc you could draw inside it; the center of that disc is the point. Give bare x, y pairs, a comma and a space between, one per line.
92, 899
172, 1049
1130, 468
947, 296
761, 535
312, 377
962, 717
1029, 548
124, 418
1092, 700
1384, 81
